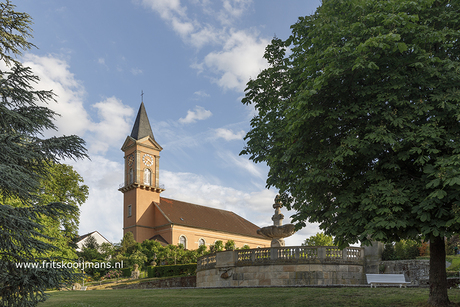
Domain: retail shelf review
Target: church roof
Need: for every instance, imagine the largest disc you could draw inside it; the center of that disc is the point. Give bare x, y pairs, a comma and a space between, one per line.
187, 214
141, 127
160, 239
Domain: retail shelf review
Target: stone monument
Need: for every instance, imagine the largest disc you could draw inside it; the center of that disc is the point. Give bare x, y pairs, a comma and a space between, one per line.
278, 231
135, 273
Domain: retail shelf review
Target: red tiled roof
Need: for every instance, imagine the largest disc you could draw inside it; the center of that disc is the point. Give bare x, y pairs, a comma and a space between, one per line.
160, 239
187, 214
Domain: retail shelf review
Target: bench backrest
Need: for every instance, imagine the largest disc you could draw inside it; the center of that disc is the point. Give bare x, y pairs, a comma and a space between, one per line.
394, 278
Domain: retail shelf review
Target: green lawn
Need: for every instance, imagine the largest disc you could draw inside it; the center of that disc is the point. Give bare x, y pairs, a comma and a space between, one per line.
323, 297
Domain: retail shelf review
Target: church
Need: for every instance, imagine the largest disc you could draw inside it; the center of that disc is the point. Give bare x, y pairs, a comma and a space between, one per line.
151, 217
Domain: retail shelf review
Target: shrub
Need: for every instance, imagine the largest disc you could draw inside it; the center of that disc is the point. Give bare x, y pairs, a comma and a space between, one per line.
388, 252
423, 249
402, 250
126, 272
230, 245
172, 270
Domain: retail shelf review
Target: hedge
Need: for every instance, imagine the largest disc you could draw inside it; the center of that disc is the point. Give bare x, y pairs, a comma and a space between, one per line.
172, 270
126, 272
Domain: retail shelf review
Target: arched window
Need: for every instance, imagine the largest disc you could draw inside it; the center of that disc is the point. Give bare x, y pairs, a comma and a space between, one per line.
147, 177
183, 241
131, 176
201, 242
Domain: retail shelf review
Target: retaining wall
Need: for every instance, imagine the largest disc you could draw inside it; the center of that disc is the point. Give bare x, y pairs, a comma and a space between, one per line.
282, 266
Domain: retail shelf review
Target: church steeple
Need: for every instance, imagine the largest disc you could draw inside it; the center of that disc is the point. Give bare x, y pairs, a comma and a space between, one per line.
141, 187
141, 127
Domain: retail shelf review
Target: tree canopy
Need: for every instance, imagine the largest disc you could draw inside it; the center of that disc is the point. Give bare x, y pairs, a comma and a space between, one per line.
25, 158
358, 121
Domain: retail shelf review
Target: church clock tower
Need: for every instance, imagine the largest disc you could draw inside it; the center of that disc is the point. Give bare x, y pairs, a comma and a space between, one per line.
141, 178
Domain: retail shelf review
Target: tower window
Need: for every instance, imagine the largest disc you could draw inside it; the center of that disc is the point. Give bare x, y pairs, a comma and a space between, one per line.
183, 241
131, 176
147, 176
130, 210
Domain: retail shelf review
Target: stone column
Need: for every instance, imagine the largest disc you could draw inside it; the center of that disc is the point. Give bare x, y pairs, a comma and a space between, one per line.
372, 257
157, 171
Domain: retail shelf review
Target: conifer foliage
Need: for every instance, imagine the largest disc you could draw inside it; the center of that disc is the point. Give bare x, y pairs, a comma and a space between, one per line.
359, 122
25, 157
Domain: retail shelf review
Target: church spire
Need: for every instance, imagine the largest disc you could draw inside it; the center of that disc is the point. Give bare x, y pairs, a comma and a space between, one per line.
141, 126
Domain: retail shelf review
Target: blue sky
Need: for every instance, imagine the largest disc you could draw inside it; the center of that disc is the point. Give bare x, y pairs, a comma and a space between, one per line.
192, 59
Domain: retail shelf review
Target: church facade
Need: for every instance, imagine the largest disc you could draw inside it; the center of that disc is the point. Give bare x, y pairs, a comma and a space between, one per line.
149, 216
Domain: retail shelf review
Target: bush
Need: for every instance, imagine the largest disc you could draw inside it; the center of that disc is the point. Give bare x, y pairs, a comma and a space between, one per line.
402, 250
126, 272
172, 270
388, 252
424, 249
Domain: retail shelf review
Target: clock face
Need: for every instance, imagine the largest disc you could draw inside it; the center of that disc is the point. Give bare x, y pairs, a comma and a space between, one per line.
130, 160
147, 159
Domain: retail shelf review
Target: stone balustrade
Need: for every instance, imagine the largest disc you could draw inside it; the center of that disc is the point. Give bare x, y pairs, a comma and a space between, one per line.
290, 254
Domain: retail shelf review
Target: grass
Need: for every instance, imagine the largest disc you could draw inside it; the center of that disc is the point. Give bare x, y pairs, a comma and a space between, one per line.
455, 266
324, 297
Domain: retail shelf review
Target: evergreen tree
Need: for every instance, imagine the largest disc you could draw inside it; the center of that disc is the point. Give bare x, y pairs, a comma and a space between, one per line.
25, 157
359, 124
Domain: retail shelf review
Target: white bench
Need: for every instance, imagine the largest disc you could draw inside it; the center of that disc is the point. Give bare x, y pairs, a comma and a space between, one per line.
374, 279
83, 288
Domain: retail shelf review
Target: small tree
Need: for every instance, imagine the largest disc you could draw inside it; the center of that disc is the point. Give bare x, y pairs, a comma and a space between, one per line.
230, 245
91, 242
128, 244
320, 239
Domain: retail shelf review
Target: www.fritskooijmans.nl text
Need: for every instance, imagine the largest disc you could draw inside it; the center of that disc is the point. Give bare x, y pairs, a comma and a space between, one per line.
69, 265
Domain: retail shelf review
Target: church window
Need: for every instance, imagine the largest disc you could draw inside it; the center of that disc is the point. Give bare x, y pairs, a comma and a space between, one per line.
147, 177
130, 210
131, 176
201, 242
183, 241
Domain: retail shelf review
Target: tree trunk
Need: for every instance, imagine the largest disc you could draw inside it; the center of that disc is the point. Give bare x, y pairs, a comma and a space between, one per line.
438, 277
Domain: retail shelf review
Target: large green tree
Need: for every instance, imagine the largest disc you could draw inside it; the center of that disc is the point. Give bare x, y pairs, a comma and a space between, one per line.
358, 121
25, 158
63, 184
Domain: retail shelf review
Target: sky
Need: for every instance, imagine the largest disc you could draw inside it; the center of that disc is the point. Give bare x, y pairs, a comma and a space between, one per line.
192, 60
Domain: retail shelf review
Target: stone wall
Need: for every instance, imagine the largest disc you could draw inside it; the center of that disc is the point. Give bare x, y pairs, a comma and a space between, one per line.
414, 270
281, 275
175, 282
282, 266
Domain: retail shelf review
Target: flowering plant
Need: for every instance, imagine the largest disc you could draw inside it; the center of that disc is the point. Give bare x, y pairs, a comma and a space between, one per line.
113, 274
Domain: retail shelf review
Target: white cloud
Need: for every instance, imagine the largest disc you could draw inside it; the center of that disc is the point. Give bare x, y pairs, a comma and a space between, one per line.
233, 9
240, 59
228, 134
174, 13
103, 209
247, 166
198, 114
101, 61
237, 55
54, 74
114, 124
201, 94
136, 71
114, 118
